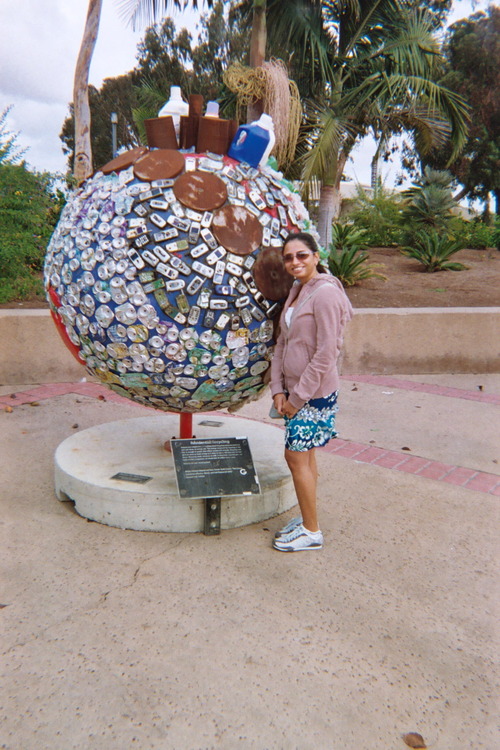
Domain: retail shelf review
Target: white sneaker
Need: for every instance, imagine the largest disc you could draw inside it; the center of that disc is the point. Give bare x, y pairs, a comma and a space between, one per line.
289, 527
299, 539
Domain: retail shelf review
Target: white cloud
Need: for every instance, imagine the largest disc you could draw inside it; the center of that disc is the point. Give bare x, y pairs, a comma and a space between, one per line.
39, 124
36, 54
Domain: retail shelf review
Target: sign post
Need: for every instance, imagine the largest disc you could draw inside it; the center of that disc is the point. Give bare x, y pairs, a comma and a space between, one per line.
211, 468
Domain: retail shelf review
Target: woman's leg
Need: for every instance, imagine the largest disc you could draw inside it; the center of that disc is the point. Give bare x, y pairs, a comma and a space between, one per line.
302, 465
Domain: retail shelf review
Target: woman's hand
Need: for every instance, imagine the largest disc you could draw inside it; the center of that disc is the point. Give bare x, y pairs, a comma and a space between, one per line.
283, 406
289, 410
279, 401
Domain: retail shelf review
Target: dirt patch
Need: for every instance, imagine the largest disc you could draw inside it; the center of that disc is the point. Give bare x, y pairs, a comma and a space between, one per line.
408, 284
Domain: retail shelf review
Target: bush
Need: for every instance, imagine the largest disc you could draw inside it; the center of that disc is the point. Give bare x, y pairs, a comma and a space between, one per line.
28, 214
344, 236
429, 203
379, 216
22, 287
433, 250
347, 259
496, 232
474, 234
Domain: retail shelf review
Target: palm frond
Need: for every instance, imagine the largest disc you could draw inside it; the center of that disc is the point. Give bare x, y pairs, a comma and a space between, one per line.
299, 26
360, 23
430, 95
141, 13
332, 131
139, 114
411, 47
150, 95
430, 128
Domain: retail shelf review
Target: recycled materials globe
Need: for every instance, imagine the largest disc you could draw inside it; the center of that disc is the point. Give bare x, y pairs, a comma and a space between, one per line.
165, 279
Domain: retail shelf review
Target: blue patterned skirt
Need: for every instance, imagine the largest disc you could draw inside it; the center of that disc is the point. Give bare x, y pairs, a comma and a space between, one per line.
313, 425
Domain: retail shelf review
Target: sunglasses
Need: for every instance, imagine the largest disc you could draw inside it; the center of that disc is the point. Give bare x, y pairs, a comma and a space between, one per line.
301, 255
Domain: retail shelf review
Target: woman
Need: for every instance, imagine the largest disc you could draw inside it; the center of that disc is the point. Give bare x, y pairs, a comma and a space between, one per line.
304, 378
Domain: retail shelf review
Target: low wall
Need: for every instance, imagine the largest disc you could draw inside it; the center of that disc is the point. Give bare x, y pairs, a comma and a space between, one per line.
423, 340
378, 341
31, 350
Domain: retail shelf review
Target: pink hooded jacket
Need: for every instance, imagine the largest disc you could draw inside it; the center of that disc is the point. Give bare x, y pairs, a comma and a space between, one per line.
304, 364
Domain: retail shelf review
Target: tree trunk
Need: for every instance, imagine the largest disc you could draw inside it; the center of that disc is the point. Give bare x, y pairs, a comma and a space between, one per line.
461, 194
374, 172
375, 163
83, 148
257, 51
330, 199
329, 210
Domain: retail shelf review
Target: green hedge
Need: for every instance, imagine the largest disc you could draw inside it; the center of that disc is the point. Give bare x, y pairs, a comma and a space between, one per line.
28, 215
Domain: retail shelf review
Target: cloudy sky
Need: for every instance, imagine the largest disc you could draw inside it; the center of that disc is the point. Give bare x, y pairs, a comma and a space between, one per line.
40, 43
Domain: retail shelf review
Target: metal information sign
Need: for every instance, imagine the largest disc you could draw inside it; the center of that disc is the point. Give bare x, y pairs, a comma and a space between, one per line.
211, 468
214, 467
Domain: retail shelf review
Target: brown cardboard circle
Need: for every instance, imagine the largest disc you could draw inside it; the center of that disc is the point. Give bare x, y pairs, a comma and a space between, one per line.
200, 191
161, 164
236, 229
270, 275
123, 161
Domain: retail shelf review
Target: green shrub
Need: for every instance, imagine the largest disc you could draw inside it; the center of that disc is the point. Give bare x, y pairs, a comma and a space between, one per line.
345, 236
475, 234
429, 203
347, 259
496, 232
433, 251
28, 214
22, 287
379, 215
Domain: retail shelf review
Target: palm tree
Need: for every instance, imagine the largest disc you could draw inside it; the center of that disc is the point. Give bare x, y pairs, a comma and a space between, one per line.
378, 62
134, 10
83, 149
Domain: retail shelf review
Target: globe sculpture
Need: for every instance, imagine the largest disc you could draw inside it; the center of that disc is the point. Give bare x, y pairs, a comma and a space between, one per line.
165, 279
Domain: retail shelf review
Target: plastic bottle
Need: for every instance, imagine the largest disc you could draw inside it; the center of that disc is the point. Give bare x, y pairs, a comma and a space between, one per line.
175, 107
212, 109
254, 142
272, 139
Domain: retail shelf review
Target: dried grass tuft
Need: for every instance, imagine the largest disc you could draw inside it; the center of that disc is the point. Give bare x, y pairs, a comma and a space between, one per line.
280, 97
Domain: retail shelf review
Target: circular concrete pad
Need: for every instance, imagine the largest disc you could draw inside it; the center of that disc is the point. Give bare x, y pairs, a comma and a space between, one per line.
86, 461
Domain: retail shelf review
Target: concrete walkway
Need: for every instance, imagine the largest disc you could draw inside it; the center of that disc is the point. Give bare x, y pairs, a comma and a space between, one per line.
116, 639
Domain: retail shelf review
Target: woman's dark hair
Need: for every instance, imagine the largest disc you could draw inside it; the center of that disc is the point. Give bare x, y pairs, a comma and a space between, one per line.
309, 241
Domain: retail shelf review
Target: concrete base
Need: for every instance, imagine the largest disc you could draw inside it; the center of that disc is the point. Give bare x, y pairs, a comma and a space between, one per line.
86, 461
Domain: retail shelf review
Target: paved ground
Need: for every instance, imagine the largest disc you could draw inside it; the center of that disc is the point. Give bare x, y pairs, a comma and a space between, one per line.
116, 639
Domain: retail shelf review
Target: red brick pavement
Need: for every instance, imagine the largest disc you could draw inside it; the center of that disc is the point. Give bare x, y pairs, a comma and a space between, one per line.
480, 481
436, 390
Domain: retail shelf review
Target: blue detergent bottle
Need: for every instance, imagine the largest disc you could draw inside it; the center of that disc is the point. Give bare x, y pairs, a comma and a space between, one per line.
253, 142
